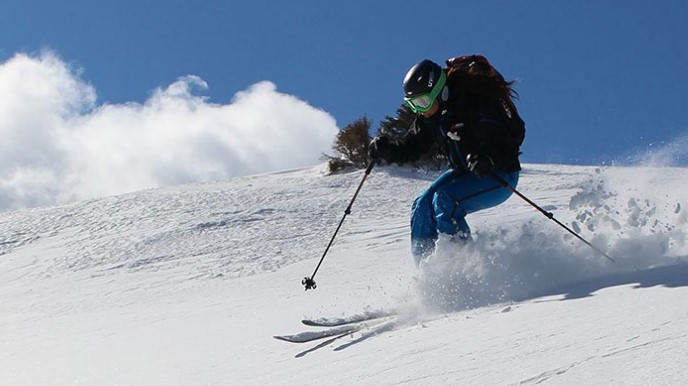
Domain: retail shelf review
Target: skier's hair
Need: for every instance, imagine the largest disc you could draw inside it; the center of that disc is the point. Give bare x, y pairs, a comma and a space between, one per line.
474, 75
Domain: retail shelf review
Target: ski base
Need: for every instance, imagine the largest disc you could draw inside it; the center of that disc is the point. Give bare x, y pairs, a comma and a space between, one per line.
336, 328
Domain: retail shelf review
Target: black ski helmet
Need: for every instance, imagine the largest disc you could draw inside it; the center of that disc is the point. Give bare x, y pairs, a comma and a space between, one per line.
421, 78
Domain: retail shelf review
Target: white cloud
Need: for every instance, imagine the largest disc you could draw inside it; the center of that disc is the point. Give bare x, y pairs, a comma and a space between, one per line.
59, 145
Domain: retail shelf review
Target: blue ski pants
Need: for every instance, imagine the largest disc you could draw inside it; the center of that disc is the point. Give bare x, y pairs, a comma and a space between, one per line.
443, 206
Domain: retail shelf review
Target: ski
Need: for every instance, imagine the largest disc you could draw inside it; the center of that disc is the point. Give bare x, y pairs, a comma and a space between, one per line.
309, 336
337, 327
353, 319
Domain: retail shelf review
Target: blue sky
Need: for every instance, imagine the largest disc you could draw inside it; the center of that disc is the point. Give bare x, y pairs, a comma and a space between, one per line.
600, 81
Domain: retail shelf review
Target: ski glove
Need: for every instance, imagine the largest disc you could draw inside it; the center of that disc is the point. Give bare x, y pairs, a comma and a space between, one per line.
379, 149
480, 164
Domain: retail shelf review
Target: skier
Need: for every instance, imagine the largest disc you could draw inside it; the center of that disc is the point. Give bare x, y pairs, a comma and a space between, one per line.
467, 109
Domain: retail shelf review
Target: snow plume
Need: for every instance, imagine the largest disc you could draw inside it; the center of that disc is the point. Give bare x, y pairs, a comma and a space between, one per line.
59, 145
616, 209
672, 153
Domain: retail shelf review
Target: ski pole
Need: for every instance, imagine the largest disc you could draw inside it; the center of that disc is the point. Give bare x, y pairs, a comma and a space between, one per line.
549, 215
308, 281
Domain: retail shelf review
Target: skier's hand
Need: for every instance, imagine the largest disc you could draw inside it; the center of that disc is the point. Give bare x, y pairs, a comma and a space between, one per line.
480, 164
379, 149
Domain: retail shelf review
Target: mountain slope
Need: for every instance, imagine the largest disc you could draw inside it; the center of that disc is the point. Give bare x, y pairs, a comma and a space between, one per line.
187, 285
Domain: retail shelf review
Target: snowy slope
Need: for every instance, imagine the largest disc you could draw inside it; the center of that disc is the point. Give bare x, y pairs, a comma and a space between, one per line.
187, 285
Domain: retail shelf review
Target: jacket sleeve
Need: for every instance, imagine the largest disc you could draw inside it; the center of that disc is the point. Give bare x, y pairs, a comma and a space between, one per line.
417, 141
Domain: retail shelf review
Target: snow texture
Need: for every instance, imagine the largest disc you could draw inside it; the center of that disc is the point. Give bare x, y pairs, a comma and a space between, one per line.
188, 285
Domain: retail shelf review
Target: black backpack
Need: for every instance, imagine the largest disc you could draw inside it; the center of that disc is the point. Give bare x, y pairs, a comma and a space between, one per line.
475, 74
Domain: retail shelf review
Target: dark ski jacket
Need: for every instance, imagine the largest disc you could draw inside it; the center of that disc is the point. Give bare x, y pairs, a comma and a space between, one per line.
466, 124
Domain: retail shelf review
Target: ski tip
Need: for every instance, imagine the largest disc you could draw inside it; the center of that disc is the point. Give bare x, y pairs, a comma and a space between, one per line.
282, 338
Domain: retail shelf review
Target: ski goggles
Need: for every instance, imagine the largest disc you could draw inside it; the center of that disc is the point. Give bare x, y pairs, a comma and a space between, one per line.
423, 102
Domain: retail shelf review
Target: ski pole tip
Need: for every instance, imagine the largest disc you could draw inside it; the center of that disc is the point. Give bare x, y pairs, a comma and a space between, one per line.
309, 283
